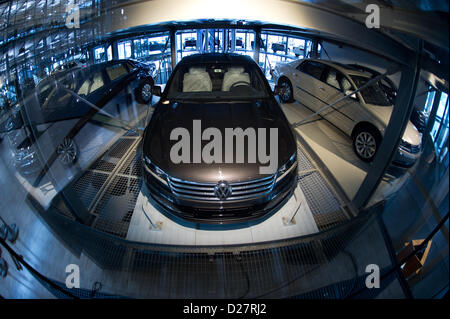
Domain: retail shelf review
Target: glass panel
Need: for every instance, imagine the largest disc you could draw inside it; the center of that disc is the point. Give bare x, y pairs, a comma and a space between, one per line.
429, 101
99, 54
109, 52
443, 105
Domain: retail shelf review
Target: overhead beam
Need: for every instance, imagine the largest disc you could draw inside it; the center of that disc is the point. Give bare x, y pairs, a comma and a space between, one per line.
283, 12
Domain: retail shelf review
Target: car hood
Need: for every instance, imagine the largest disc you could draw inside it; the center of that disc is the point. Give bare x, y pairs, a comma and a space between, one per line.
257, 114
383, 114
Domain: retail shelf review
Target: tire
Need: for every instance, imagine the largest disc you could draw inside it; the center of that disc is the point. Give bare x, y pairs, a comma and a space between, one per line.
366, 141
143, 92
288, 96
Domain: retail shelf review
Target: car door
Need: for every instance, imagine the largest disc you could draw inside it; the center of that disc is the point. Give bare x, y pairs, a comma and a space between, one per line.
335, 86
308, 84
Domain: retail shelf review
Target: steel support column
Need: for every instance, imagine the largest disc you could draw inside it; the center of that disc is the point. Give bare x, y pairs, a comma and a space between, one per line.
115, 50
233, 40
173, 48
434, 108
257, 45
315, 49
393, 133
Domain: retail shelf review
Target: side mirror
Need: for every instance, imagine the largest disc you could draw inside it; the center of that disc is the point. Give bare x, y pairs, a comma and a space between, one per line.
278, 90
156, 90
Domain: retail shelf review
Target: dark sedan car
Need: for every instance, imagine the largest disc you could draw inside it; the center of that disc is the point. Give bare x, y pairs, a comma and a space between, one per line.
63, 104
278, 47
190, 43
223, 94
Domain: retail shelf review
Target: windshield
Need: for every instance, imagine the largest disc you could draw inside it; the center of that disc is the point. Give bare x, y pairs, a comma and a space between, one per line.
216, 81
373, 94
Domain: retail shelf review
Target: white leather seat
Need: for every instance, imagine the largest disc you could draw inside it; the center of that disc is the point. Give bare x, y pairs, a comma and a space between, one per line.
197, 80
234, 75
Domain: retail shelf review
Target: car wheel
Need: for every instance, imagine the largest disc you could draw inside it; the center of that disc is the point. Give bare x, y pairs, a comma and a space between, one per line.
67, 151
144, 92
366, 141
287, 95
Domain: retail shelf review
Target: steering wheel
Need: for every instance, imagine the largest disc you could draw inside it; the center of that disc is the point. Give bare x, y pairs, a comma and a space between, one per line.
239, 83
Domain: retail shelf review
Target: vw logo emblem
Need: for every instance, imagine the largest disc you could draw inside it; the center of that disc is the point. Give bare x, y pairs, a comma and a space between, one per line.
222, 190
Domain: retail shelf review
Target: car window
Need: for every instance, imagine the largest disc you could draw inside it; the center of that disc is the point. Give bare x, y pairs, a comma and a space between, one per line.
44, 90
50, 92
217, 81
312, 68
131, 66
116, 71
332, 79
346, 85
91, 84
374, 93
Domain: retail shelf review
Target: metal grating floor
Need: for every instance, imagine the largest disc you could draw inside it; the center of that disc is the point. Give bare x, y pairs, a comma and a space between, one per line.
324, 205
304, 164
116, 207
109, 189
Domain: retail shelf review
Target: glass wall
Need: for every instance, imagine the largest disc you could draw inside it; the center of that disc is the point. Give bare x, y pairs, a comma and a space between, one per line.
276, 48
281, 48
153, 49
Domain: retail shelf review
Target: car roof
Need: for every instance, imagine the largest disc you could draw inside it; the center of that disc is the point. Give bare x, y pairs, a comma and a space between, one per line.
216, 58
344, 68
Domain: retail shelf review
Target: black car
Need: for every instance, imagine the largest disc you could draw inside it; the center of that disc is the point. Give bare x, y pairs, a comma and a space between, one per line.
219, 92
62, 104
190, 43
239, 43
278, 47
156, 46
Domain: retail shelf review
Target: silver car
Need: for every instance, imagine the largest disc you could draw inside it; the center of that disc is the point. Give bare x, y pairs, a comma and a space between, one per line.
364, 116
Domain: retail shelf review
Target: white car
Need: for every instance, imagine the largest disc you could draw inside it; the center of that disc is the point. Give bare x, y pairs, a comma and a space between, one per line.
364, 116
299, 50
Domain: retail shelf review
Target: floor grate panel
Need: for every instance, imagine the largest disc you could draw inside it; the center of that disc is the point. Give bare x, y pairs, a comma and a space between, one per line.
88, 185
114, 208
117, 204
303, 162
324, 206
120, 148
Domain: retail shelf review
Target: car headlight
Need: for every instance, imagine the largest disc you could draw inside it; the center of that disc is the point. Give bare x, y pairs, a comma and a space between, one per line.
155, 171
284, 170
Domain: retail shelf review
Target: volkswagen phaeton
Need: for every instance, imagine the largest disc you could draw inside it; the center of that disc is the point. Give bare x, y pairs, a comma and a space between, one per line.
207, 98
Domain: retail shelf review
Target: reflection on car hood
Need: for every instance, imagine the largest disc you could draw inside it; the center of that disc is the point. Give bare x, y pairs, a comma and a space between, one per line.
264, 114
383, 114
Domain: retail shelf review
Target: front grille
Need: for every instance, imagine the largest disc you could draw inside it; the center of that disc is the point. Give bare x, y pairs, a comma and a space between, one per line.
205, 191
410, 148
